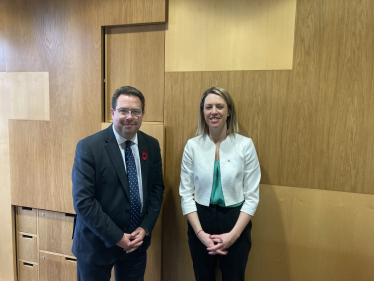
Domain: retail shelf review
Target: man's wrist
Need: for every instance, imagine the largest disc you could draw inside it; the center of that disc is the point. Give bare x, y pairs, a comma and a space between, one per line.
146, 231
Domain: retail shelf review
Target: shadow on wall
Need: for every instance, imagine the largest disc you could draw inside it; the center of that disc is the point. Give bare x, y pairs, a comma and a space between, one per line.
176, 258
269, 258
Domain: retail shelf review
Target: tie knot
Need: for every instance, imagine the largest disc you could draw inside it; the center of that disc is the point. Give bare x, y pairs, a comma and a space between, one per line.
128, 143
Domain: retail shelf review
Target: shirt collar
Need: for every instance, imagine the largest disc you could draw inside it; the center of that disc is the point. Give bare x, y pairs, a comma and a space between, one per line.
121, 140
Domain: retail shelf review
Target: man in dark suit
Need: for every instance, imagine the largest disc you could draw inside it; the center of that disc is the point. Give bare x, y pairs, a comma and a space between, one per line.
117, 193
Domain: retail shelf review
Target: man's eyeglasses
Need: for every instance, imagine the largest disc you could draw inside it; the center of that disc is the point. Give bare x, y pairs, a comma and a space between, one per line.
125, 112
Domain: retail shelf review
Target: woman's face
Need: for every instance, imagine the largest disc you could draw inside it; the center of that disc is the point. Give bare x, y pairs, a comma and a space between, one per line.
215, 111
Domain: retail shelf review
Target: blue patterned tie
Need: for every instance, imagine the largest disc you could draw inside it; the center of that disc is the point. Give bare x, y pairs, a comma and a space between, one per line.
135, 204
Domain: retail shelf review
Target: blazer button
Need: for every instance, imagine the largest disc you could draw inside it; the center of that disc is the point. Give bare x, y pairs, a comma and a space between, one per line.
127, 210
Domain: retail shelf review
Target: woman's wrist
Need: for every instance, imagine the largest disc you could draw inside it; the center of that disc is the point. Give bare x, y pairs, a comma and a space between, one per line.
234, 234
197, 233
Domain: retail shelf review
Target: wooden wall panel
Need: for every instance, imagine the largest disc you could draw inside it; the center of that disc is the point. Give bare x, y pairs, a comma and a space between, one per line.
27, 271
27, 246
331, 236
56, 267
135, 56
153, 270
304, 234
2, 40
26, 220
22, 95
270, 256
311, 125
74, 64
65, 39
6, 249
312, 128
299, 234
131, 11
30, 92
213, 35
55, 232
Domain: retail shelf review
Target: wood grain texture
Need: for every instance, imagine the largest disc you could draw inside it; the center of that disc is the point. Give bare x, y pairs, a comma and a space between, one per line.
270, 255
74, 97
27, 271
6, 249
30, 95
22, 95
55, 232
311, 126
153, 271
136, 57
331, 237
26, 220
64, 39
27, 248
304, 234
56, 267
2, 39
213, 35
271, 235
123, 12
299, 234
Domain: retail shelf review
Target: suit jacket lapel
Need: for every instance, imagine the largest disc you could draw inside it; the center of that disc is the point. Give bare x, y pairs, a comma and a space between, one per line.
143, 147
116, 158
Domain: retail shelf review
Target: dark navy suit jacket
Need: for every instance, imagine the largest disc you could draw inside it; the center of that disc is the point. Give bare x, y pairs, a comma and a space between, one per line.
102, 198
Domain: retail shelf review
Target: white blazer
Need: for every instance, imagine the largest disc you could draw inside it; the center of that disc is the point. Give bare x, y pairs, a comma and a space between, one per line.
240, 173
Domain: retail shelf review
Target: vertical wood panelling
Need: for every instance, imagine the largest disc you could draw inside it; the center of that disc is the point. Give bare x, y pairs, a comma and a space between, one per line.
6, 249
2, 39
62, 38
311, 125
136, 57
22, 95
72, 57
312, 128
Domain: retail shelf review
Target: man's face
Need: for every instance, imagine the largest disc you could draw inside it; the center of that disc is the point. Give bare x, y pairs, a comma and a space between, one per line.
127, 123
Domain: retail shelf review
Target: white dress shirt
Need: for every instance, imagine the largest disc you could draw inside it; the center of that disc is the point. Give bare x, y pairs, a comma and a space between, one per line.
240, 173
135, 152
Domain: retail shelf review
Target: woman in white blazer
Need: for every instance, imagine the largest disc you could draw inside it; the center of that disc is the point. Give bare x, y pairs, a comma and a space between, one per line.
219, 189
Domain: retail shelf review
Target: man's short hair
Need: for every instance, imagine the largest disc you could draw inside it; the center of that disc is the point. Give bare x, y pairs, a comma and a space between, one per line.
127, 91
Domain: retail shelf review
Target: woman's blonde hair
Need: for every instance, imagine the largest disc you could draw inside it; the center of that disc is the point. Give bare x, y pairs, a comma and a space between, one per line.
232, 120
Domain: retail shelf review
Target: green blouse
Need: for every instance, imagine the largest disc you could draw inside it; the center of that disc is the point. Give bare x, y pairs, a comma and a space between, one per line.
216, 197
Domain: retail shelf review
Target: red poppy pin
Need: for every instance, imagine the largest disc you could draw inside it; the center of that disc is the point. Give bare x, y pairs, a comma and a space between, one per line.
145, 155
